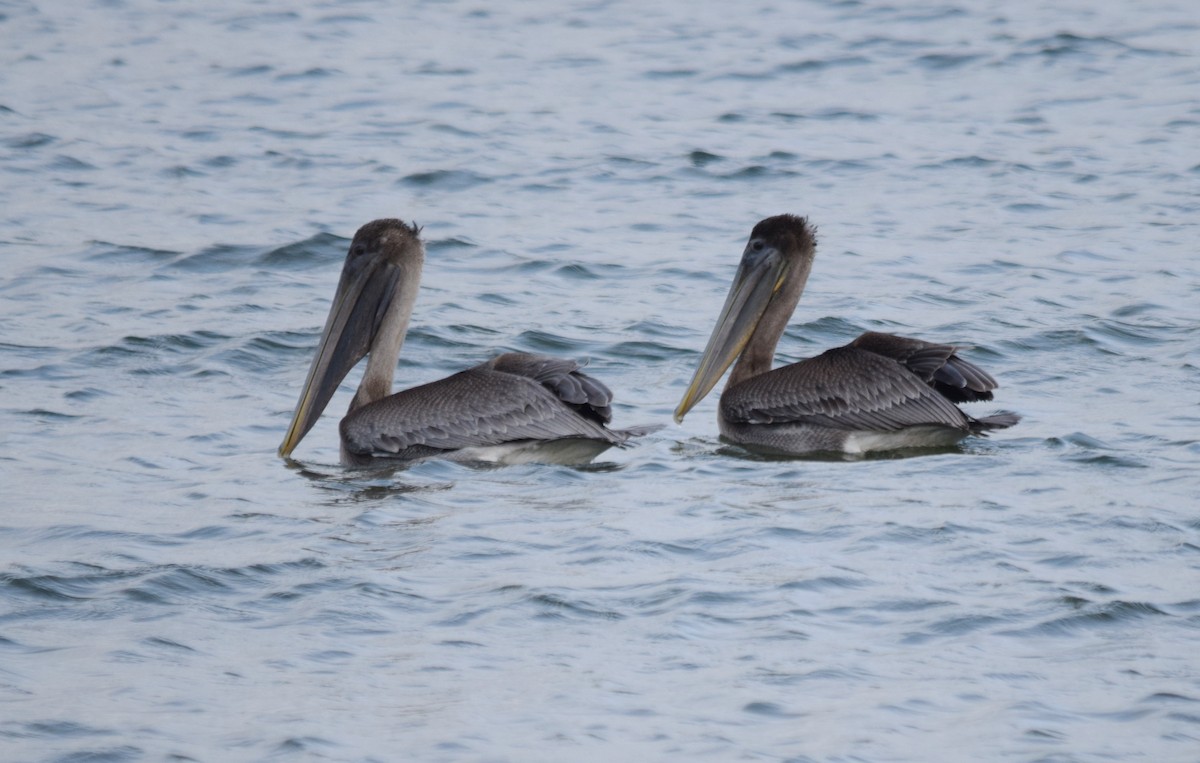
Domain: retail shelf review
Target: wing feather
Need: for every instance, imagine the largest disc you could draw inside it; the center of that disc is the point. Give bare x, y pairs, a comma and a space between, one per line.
845, 388
937, 364
513, 397
586, 394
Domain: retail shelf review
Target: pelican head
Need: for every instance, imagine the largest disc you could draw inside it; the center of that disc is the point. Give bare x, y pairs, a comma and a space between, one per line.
369, 314
768, 283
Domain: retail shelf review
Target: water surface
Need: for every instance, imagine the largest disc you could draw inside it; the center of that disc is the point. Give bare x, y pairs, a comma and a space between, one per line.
180, 185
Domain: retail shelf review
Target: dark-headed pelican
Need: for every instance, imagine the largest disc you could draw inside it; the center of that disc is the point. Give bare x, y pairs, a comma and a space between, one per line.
514, 408
880, 392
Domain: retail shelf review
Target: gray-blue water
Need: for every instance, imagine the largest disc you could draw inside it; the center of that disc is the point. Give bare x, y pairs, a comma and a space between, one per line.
179, 182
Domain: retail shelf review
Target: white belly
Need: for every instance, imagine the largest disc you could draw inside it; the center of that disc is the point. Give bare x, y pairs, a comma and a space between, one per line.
569, 452
913, 437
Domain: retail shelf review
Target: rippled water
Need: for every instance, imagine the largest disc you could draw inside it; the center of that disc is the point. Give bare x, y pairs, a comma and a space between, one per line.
180, 183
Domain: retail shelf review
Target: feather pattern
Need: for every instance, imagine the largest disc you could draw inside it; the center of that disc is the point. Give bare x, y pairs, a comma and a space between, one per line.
512, 397
937, 364
845, 388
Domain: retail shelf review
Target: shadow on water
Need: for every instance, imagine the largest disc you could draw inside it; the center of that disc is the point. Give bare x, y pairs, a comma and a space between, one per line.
378, 481
1085, 449
366, 483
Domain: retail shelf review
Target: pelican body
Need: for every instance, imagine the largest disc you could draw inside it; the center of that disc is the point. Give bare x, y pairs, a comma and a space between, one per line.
515, 408
880, 392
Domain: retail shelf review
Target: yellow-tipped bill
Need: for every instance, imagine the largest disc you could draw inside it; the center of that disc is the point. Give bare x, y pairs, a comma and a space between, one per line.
758, 278
365, 287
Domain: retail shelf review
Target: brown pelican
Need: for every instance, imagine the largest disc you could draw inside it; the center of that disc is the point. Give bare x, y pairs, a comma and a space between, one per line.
880, 392
514, 408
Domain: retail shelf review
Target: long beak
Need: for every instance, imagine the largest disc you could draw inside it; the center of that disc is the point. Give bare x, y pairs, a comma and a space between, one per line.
359, 304
758, 277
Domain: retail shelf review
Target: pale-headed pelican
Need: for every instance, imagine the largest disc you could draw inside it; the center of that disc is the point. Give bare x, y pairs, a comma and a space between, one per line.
880, 392
515, 408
